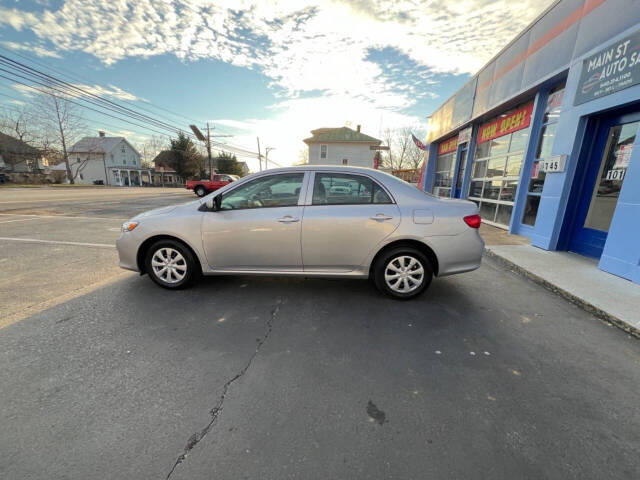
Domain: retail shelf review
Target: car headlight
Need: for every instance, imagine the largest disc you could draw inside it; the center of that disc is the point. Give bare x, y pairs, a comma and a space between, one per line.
128, 226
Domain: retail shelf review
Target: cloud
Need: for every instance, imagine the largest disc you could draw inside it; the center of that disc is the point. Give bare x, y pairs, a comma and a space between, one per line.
327, 61
301, 45
293, 119
37, 50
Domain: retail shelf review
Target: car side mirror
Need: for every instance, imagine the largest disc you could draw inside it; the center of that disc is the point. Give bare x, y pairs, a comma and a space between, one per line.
213, 204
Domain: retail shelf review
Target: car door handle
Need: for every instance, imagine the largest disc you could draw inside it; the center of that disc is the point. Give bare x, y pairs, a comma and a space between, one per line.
381, 217
288, 219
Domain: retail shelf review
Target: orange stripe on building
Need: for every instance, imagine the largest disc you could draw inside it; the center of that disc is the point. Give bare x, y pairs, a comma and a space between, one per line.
575, 16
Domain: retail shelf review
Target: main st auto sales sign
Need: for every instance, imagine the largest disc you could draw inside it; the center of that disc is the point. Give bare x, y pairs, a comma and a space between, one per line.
610, 70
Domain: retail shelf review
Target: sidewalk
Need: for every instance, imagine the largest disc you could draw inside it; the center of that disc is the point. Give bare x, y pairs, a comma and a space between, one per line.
573, 276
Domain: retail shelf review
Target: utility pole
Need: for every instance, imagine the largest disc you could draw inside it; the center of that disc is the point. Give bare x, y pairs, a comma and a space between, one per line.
259, 154
266, 156
208, 142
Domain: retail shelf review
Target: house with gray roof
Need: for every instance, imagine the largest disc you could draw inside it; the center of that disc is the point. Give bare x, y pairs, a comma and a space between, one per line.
341, 146
19, 157
108, 161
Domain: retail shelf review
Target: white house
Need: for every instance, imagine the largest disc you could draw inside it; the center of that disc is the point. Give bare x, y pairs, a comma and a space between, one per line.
110, 160
341, 146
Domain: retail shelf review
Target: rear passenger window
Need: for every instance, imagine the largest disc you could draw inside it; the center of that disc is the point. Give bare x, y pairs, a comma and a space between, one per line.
347, 189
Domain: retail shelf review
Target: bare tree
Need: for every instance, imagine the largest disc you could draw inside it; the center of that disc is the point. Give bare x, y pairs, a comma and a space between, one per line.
402, 153
18, 123
151, 148
62, 121
303, 156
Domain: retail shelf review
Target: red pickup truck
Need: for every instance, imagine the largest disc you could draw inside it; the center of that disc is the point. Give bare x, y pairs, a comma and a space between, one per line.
202, 187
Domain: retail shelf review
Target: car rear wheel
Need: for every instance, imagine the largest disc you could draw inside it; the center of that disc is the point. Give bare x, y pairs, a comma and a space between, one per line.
171, 265
402, 273
200, 191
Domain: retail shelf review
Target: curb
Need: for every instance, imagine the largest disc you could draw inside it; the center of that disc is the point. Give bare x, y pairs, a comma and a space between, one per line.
580, 302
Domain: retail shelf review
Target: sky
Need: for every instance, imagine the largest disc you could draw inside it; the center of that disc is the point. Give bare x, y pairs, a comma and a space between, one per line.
268, 69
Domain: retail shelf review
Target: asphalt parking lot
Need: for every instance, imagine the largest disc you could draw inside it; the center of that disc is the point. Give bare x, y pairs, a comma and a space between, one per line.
105, 375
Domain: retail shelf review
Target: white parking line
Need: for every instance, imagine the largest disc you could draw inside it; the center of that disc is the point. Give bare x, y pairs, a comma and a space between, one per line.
61, 216
18, 220
57, 242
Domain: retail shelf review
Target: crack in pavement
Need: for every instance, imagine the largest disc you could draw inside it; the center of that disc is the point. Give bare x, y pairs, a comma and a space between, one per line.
217, 410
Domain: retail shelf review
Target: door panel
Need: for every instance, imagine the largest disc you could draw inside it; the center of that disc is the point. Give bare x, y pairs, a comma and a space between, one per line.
603, 180
256, 238
258, 226
338, 237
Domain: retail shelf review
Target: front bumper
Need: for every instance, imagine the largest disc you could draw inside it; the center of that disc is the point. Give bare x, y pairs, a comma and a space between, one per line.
127, 245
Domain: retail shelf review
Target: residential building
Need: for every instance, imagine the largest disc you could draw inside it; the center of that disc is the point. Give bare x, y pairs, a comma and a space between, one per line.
17, 156
108, 161
341, 146
164, 173
545, 137
244, 167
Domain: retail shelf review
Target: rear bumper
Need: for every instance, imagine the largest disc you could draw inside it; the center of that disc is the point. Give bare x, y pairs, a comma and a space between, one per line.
458, 253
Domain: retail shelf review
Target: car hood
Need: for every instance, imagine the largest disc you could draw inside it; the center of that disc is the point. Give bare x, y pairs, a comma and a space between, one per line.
163, 210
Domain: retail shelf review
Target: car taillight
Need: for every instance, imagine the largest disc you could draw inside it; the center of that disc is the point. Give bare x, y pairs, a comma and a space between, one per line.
473, 221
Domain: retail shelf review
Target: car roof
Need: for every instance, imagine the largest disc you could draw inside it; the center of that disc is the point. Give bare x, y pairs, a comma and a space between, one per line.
398, 187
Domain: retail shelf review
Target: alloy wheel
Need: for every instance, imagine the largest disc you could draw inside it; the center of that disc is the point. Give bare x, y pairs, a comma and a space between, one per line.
404, 274
169, 265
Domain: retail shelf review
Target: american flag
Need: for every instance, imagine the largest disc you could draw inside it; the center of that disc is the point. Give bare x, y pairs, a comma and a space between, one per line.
418, 143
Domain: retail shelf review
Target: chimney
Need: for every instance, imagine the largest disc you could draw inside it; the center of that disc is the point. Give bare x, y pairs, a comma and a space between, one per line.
101, 133
358, 129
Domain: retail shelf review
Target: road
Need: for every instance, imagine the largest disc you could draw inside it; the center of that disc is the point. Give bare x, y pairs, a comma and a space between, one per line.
487, 375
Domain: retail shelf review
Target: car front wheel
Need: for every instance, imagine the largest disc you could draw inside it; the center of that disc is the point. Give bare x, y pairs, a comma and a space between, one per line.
402, 273
200, 191
171, 265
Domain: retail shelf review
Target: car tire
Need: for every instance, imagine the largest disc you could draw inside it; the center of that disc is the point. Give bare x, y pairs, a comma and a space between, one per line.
171, 264
402, 273
200, 191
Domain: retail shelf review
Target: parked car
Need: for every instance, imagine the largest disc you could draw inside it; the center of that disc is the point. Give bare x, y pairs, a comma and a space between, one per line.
202, 187
286, 222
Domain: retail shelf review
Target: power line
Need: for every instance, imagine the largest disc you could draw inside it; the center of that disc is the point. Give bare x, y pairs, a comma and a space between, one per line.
72, 75
66, 89
76, 92
48, 81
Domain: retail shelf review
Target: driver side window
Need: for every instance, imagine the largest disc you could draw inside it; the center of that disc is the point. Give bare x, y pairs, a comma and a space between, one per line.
281, 190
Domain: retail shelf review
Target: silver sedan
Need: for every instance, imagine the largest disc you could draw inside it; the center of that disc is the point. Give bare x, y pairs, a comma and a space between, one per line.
294, 221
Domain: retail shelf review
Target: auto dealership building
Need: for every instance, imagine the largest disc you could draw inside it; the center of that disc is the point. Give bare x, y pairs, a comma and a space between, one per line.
545, 137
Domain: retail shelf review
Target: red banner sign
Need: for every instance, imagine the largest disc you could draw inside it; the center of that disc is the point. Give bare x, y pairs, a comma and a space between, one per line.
447, 146
513, 122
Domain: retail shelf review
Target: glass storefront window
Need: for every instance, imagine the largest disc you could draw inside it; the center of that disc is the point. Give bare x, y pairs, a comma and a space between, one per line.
492, 190
494, 176
479, 169
611, 175
543, 150
519, 140
530, 210
463, 165
482, 150
475, 190
514, 164
503, 216
445, 166
495, 167
547, 136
